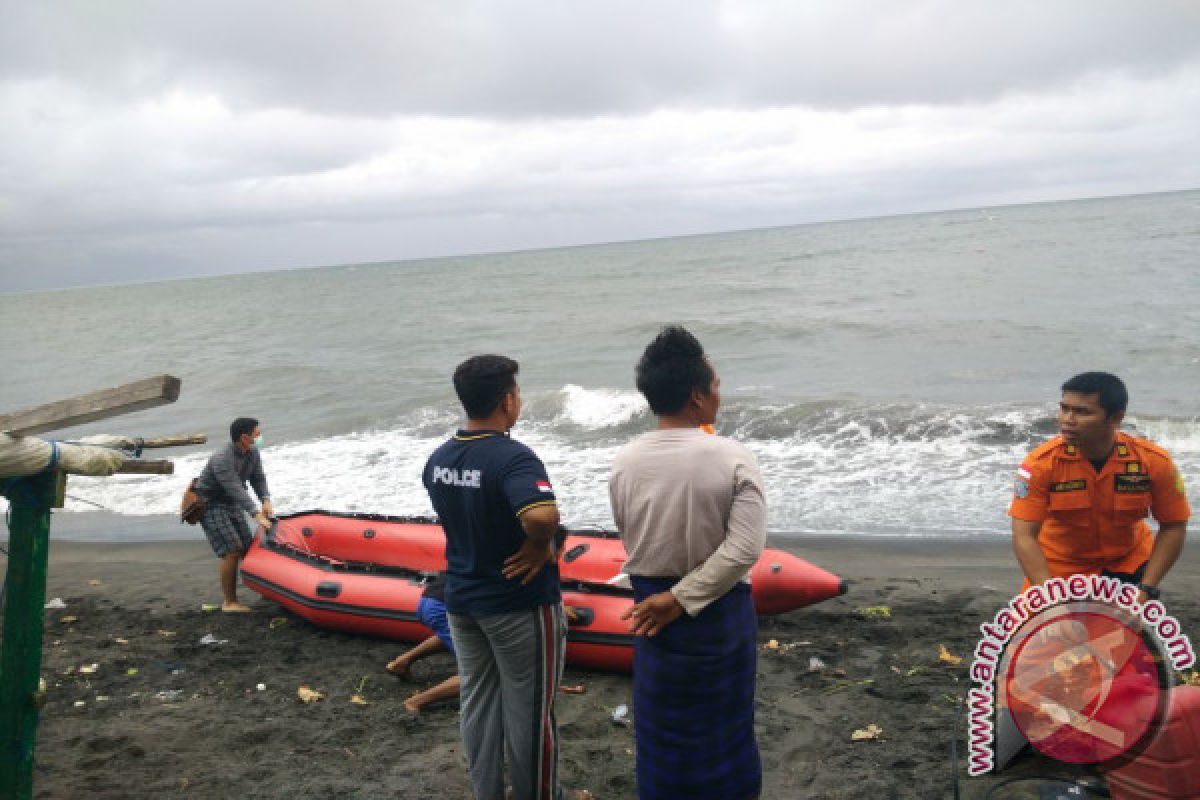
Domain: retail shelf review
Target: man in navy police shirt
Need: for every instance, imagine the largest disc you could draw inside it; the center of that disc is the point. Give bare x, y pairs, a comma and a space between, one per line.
497, 506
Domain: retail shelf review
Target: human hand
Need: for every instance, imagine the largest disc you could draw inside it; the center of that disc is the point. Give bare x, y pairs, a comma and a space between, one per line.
268, 509
571, 614
261, 519
653, 614
527, 562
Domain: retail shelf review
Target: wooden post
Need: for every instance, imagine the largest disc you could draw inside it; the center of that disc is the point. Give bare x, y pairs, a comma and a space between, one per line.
30, 500
21, 649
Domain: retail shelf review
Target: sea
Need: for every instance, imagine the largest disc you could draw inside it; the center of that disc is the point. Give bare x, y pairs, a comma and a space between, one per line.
889, 374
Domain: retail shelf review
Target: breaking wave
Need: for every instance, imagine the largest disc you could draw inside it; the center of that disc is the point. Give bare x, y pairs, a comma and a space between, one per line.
852, 468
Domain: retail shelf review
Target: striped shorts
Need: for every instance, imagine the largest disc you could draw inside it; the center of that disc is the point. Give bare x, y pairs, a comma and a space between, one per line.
227, 529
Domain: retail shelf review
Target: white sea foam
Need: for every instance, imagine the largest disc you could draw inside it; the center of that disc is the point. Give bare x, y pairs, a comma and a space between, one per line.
599, 408
911, 470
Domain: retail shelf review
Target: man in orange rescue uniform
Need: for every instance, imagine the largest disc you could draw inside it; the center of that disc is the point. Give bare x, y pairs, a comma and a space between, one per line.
1080, 500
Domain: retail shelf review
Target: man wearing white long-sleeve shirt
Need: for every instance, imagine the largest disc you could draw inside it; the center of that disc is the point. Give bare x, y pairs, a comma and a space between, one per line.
692, 515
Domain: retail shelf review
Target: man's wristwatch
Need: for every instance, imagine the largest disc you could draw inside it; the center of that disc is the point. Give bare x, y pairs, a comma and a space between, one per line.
1153, 592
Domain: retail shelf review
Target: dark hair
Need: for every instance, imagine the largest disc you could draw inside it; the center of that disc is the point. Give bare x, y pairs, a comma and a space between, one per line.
1113, 396
481, 383
242, 425
670, 368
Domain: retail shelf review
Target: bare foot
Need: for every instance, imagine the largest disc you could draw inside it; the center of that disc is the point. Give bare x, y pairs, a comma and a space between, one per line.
412, 706
235, 608
398, 667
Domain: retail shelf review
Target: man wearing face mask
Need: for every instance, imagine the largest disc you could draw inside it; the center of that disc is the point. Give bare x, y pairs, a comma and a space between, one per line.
223, 485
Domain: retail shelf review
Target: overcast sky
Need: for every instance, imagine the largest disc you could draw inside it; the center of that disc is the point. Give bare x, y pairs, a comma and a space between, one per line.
144, 140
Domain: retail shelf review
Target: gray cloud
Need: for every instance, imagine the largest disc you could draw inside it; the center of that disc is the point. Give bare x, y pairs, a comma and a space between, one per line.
381, 58
146, 140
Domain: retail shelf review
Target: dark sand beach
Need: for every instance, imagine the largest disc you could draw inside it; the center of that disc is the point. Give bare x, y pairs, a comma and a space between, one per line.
163, 715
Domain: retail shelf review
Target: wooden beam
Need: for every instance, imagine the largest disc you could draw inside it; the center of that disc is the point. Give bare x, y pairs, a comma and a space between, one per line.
90, 407
136, 467
175, 441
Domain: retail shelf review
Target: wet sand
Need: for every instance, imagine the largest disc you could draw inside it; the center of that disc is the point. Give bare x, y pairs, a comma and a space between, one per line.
163, 715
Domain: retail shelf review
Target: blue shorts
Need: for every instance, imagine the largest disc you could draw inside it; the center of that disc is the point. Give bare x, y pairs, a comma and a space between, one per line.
432, 614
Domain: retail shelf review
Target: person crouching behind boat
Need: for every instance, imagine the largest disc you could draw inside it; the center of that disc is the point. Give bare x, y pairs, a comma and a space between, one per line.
431, 612
692, 515
223, 485
498, 510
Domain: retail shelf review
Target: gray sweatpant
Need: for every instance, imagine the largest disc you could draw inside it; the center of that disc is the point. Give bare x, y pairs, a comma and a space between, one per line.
511, 665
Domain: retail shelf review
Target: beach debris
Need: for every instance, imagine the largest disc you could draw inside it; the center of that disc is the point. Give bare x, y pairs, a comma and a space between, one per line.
169, 695
357, 698
946, 657
120, 640
1192, 678
165, 633
572, 689
80, 704
171, 667
88, 669
773, 644
815, 664
308, 695
208, 607
55, 604
884, 612
94, 582
68, 619
277, 622
131, 671
781, 647
262, 687
620, 716
41, 684
208, 638
621, 580
869, 733
100, 698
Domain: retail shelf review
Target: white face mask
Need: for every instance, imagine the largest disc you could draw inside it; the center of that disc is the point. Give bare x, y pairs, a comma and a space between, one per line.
258, 441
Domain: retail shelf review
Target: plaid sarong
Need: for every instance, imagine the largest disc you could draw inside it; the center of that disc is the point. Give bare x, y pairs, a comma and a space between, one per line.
693, 701
227, 529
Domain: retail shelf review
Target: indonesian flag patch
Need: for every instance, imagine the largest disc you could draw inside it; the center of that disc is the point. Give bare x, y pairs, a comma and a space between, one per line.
544, 486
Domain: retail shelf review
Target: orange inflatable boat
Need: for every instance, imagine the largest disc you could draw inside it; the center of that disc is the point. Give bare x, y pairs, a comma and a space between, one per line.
364, 573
